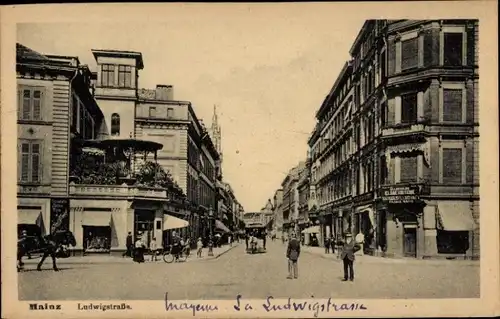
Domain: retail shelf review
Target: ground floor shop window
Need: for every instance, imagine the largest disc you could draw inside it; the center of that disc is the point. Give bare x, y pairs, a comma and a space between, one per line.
452, 242
96, 239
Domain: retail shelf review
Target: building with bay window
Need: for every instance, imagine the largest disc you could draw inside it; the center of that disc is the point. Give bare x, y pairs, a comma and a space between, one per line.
411, 178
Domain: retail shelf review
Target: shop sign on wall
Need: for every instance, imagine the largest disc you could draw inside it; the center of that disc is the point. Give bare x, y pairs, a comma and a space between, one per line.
401, 194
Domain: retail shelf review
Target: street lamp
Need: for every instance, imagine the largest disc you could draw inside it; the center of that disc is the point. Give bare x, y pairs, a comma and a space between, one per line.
210, 240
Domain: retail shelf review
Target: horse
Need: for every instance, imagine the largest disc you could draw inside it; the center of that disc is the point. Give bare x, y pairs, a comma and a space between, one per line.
49, 245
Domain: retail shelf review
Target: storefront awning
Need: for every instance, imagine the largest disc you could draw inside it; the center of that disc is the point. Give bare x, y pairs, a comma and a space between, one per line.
99, 218
29, 217
172, 222
411, 147
311, 230
369, 210
455, 216
219, 225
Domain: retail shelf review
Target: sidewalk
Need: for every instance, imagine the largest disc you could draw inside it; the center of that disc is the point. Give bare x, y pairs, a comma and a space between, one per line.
108, 259
320, 251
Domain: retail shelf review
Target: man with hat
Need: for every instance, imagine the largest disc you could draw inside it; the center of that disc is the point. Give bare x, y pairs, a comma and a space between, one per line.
347, 255
292, 253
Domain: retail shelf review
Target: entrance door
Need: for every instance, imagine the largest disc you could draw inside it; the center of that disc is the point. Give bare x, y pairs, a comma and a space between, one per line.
410, 242
144, 225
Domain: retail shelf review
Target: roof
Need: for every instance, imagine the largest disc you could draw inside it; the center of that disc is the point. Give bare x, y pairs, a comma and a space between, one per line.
119, 53
23, 52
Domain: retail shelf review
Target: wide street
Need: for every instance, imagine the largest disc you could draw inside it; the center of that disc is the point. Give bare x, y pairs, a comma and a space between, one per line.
252, 276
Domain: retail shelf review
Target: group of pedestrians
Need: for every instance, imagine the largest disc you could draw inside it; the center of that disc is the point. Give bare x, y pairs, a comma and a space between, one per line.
136, 250
348, 250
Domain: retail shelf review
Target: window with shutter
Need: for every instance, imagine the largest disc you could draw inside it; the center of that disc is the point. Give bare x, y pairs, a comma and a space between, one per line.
452, 105
409, 54
31, 104
26, 105
35, 163
452, 165
453, 46
409, 108
25, 162
408, 169
31, 165
37, 101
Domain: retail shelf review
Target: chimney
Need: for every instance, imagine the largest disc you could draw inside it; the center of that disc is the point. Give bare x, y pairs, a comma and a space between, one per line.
164, 92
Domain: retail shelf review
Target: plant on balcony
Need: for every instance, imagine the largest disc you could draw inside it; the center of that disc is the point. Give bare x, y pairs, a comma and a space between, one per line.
151, 174
86, 169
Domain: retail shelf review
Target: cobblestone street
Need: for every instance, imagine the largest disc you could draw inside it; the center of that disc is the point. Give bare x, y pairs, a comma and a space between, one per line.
252, 276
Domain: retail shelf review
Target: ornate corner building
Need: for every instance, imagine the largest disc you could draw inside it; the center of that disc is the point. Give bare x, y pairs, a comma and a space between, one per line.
394, 155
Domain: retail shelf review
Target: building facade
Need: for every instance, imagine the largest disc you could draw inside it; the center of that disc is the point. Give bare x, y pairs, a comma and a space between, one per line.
304, 193
108, 142
409, 179
278, 211
55, 103
291, 200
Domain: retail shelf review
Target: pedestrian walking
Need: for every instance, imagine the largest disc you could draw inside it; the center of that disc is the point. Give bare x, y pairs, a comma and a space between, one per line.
327, 245
349, 249
153, 248
292, 254
229, 241
246, 241
139, 250
332, 244
129, 244
199, 245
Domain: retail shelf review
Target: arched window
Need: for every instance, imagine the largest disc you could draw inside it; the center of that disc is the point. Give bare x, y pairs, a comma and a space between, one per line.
115, 124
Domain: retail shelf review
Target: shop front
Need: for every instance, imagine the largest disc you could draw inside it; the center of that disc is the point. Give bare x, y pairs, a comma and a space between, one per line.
365, 227
449, 229
400, 228
33, 216
101, 223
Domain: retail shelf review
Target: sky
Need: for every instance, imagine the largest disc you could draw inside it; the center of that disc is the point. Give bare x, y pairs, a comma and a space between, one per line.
266, 71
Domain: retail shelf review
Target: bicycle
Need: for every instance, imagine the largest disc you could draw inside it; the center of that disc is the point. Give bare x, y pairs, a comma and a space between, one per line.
168, 257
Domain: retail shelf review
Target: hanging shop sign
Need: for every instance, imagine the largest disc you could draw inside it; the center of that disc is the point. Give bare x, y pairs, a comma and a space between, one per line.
59, 213
400, 194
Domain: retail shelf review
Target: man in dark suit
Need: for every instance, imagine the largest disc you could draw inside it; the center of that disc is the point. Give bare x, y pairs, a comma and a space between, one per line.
292, 253
349, 248
130, 245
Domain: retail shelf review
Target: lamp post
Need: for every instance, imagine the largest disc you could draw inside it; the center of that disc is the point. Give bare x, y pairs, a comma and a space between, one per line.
210, 240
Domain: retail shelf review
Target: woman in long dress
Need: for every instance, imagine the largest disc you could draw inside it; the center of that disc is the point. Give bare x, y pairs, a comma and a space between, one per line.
139, 250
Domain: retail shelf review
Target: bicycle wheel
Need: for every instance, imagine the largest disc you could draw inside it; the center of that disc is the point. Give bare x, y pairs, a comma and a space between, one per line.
168, 257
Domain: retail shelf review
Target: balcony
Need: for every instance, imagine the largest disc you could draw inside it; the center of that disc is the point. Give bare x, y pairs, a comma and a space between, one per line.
119, 191
403, 130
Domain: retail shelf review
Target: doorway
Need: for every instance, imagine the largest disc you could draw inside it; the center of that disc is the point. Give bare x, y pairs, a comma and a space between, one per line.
144, 225
410, 242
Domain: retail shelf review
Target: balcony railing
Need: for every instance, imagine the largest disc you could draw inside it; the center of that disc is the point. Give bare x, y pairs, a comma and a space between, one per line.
403, 129
120, 191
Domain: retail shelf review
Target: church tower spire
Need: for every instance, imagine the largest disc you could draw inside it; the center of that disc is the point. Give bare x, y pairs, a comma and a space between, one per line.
216, 132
